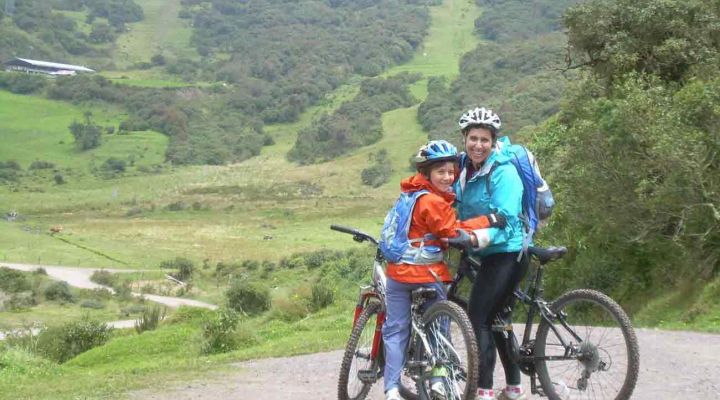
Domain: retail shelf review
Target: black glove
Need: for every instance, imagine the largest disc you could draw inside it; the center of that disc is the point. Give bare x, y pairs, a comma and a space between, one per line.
462, 240
497, 220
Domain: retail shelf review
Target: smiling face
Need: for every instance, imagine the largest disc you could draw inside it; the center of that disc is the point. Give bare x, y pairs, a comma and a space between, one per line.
478, 144
442, 176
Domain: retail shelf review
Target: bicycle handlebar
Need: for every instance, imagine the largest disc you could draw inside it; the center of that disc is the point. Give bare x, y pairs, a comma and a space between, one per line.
358, 236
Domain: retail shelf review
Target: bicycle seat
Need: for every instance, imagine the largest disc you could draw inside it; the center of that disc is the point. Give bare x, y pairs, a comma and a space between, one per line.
423, 293
545, 255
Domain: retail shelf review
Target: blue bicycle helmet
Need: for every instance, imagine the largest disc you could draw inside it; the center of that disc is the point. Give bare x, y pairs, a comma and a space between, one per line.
435, 151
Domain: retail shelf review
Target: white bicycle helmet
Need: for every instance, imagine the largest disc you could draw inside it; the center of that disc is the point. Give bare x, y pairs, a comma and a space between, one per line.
480, 116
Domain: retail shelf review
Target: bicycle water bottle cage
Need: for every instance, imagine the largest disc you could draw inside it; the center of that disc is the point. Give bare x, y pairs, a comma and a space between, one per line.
545, 255
423, 294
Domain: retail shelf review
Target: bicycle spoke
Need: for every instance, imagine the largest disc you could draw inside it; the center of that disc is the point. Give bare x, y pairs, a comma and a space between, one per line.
599, 365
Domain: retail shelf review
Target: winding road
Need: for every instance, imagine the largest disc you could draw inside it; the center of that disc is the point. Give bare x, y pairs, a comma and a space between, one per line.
80, 277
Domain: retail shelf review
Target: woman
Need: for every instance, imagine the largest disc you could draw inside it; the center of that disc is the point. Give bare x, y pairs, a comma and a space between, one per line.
490, 184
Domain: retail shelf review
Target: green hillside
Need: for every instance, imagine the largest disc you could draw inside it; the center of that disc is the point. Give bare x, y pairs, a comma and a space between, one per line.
206, 175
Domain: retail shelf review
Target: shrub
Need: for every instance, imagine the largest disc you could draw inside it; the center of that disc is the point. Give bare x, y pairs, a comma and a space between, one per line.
59, 291
176, 206
114, 165
20, 301
92, 303
132, 309
185, 267
59, 178
105, 278
247, 298
322, 296
218, 331
13, 281
39, 164
289, 309
150, 319
87, 135
65, 342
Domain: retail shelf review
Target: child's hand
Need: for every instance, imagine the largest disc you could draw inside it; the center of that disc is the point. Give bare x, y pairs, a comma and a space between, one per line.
463, 239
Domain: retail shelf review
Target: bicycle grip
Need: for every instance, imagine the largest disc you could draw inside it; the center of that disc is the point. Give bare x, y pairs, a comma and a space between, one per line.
344, 229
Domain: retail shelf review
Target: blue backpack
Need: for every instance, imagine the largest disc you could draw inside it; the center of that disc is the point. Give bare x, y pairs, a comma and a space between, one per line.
537, 201
394, 243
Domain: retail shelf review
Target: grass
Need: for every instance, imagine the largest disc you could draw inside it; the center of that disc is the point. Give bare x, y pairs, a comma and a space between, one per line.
39, 130
125, 221
695, 306
131, 361
160, 32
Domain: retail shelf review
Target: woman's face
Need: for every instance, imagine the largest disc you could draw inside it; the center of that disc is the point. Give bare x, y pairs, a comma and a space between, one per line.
478, 145
442, 176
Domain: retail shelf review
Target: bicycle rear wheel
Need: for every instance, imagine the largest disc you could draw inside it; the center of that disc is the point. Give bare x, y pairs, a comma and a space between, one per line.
604, 358
362, 362
452, 343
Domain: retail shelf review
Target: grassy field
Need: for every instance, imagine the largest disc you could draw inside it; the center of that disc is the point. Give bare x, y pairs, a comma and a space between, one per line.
229, 210
160, 32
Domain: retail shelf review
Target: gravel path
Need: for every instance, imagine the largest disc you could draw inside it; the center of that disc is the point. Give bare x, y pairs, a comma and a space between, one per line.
80, 277
674, 365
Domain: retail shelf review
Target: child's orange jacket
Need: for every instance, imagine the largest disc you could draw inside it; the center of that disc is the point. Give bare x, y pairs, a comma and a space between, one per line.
433, 213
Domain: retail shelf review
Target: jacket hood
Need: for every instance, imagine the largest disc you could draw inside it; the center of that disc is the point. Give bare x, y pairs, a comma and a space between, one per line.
420, 182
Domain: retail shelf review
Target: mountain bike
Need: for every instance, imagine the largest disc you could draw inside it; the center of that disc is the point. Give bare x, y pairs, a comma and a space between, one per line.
584, 347
441, 339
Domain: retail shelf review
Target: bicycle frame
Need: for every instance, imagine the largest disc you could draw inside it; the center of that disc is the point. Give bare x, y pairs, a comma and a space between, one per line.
376, 293
532, 297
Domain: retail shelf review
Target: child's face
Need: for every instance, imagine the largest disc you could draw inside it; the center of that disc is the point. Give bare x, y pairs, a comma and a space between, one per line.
442, 176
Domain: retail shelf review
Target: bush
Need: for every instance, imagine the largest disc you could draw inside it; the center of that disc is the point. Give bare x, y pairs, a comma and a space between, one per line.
39, 164
59, 179
59, 291
150, 319
289, 309
218, 331
114, 166
132, 309
65, 342
94, 304
105, 278
20, 301
247, 298
13, 281
87, 135
184, 266
322, 296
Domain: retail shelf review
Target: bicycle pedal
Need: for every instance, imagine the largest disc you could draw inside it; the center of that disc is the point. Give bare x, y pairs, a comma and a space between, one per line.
367, 376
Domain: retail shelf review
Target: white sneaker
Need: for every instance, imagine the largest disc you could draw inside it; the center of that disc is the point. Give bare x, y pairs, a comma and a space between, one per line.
393, 394
507, 395
437, 391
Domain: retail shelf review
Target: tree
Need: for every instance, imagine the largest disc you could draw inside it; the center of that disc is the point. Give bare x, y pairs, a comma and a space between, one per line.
87, 134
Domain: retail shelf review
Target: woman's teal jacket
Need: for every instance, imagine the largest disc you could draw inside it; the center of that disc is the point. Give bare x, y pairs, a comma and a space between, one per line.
504, 197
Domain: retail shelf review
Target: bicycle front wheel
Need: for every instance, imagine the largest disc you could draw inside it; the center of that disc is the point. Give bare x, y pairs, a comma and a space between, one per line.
453, 347
363, 359
591, 354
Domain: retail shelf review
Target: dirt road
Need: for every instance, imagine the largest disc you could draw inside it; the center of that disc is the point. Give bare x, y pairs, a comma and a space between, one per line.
80, 277
674, 365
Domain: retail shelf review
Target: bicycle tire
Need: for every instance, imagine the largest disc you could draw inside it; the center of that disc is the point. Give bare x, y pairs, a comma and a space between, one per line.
350, 386
453, 343
609, 352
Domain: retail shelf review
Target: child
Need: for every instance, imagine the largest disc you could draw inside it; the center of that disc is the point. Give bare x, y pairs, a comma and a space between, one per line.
433, 214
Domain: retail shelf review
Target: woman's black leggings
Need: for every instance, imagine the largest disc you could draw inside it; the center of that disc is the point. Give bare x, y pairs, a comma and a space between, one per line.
499, 275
